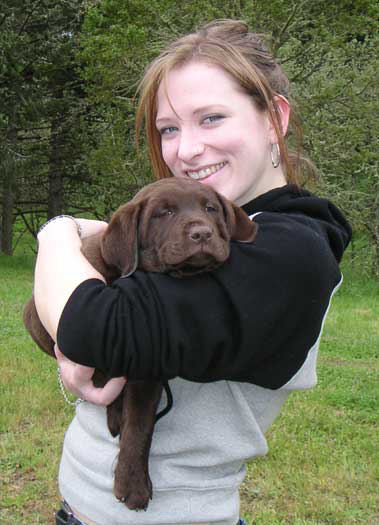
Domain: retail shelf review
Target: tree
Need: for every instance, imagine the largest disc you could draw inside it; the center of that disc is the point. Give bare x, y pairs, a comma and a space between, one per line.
70, 87
37, 86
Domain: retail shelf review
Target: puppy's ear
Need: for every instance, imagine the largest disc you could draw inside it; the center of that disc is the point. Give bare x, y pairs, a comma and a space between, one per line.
119, 246
245, 230
239, 226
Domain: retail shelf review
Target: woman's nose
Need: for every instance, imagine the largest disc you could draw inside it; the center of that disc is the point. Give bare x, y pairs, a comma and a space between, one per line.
190, 146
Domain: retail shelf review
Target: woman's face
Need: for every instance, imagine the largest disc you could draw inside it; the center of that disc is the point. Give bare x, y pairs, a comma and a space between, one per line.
211, 131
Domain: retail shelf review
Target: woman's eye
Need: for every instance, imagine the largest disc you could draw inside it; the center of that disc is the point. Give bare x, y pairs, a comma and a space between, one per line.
212, 118
210, 208
169, 130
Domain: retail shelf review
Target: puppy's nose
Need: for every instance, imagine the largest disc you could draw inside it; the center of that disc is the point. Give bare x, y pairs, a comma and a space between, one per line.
200, 233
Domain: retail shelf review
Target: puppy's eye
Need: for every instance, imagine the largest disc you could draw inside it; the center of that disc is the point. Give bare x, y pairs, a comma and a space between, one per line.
210, 208
163, 213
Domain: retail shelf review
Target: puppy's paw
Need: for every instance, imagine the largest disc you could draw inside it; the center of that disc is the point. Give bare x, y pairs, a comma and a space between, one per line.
133, 487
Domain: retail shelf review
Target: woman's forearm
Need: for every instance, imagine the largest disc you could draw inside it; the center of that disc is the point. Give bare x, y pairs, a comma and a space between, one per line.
60, 268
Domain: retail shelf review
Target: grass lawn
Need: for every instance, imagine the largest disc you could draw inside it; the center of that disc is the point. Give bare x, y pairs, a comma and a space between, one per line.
323, 464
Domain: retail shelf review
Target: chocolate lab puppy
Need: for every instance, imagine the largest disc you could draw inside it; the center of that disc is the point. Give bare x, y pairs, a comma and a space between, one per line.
177, 226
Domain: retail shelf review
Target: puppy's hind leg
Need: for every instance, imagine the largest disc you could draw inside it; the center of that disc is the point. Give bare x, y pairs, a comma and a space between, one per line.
36, 329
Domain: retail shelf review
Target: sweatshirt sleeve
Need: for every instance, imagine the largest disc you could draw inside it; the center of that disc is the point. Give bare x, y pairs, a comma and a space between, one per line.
254, 319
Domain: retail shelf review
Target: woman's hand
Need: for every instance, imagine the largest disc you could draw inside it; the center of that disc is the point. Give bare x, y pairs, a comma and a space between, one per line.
78, 380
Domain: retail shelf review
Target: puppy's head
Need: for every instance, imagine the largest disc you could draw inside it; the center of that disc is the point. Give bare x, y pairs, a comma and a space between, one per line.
177, 226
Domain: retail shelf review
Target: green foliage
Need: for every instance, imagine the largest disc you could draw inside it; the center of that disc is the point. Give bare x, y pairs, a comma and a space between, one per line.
71, 71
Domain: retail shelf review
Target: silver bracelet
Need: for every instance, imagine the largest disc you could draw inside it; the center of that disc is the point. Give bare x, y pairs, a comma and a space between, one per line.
79, 228
64, 394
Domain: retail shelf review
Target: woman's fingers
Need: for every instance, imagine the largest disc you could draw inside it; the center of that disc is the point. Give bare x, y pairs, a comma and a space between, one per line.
104, 396
78, 380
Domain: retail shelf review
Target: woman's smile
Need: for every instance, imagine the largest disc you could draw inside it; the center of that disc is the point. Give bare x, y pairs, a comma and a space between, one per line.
204, 173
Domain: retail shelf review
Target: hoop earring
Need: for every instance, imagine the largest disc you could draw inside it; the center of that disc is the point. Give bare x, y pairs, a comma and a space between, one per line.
275, 155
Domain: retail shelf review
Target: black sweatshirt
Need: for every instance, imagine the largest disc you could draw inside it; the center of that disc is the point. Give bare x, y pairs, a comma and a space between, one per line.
253, 320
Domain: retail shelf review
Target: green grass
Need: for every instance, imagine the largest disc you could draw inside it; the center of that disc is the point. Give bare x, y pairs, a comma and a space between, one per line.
323, 464
32, 416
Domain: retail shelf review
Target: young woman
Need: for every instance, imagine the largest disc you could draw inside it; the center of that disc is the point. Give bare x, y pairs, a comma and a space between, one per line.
233, 343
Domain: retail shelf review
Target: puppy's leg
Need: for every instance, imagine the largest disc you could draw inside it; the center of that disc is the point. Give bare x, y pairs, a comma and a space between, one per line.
114, 414
132, 482
36, 329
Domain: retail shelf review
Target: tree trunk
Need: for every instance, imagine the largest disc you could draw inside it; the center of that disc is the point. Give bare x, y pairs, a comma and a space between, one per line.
6, 235
8, 168
375, 258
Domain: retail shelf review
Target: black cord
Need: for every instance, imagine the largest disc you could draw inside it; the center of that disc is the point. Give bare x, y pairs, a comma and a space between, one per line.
169, 402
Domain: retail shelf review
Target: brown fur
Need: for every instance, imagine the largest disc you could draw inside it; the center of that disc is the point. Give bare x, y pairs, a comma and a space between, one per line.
177, 226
